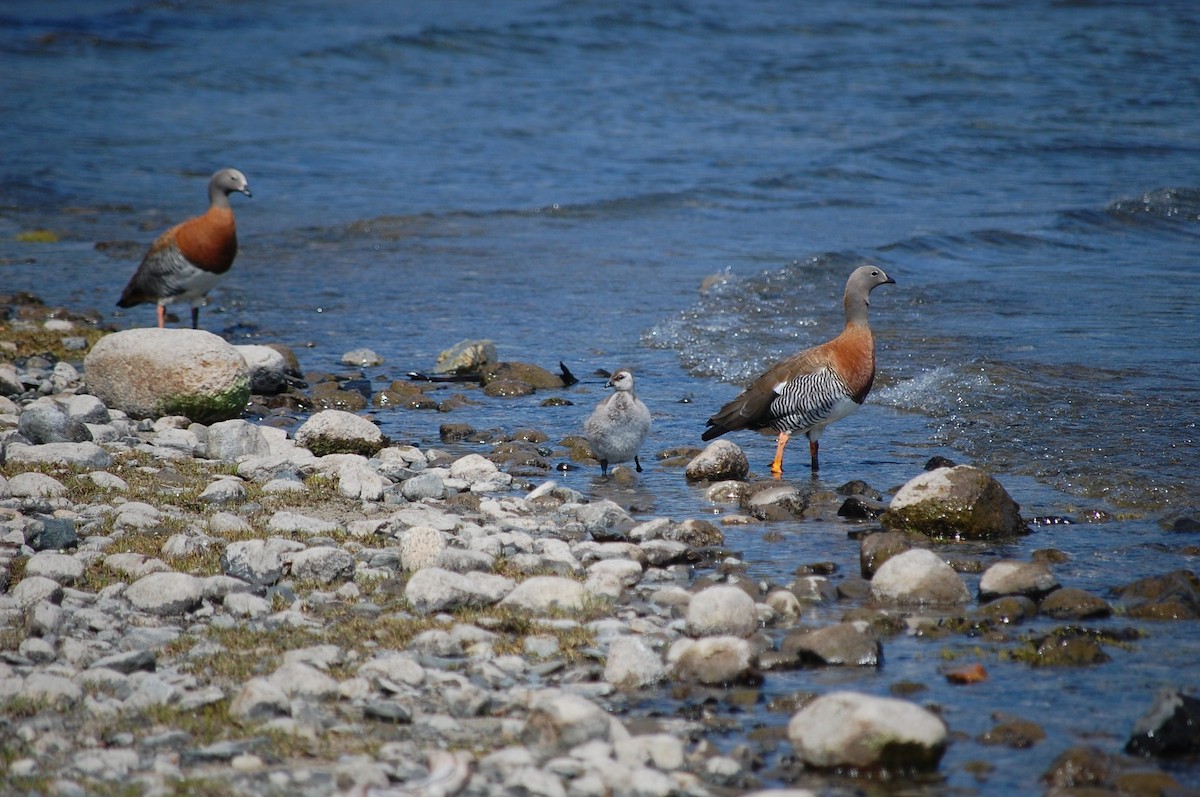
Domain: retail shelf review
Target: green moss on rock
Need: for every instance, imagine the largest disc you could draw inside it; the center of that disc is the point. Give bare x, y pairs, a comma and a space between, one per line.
322, 445
209, 408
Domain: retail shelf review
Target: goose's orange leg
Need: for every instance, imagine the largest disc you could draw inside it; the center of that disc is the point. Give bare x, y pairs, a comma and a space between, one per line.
777, 463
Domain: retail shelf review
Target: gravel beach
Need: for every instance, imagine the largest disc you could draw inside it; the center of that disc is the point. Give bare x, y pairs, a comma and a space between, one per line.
217, 609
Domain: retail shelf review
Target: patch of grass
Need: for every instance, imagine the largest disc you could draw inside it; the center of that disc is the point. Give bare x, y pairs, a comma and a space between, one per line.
206, 725
11, 636
21, 707
247, 653
36, 340
200, 787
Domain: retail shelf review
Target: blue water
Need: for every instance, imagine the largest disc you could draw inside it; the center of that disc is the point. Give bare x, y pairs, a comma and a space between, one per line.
562, 177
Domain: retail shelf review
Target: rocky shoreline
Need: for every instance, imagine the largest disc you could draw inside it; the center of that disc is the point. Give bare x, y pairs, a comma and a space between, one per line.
222, 608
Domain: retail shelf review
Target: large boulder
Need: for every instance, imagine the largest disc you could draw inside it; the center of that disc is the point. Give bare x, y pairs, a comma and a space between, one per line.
959, 503
853, 731
149, 373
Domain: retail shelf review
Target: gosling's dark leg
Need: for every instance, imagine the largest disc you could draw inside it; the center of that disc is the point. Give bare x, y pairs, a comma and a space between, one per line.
637, 463
195, 318
604, 467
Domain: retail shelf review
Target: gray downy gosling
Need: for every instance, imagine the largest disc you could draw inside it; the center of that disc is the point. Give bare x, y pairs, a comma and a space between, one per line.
618, 426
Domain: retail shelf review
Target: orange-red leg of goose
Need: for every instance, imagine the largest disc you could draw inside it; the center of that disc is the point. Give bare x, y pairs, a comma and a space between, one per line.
812, 452
777, 463
162, 316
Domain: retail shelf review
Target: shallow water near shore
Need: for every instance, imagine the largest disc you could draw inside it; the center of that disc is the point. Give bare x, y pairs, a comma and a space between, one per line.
563, 178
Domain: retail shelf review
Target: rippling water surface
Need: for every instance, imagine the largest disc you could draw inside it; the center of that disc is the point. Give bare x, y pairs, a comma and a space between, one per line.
563, 177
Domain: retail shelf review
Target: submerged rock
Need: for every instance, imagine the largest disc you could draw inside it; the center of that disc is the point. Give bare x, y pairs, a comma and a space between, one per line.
513, 373
1073, 603
1173, 596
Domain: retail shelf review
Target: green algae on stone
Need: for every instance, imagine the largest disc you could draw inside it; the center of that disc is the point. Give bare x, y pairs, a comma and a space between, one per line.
322, 445
208, 408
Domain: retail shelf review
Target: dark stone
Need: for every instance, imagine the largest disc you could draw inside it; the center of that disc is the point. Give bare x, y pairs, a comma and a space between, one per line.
875, 549
1009, 610
508, 388
359, 386
1067, 651
518, 454
46, 423
859, 507
327, 396
387, 711
1174, 596
1188, 521
842, 644
859, 488
1084, 765
454, 432
1170, 729
1072, 603
534, 376
696, 532
526, 435
221, 751
1013, 732
960, 503
938, 462
133, 661
406, 395
53, 534
1049, 556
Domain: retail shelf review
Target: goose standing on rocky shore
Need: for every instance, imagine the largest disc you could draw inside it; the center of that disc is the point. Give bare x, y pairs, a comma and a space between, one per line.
186, 261
812, 389
618, 426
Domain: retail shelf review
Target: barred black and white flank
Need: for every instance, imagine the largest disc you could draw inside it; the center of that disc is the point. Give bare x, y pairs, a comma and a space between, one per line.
618, 426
